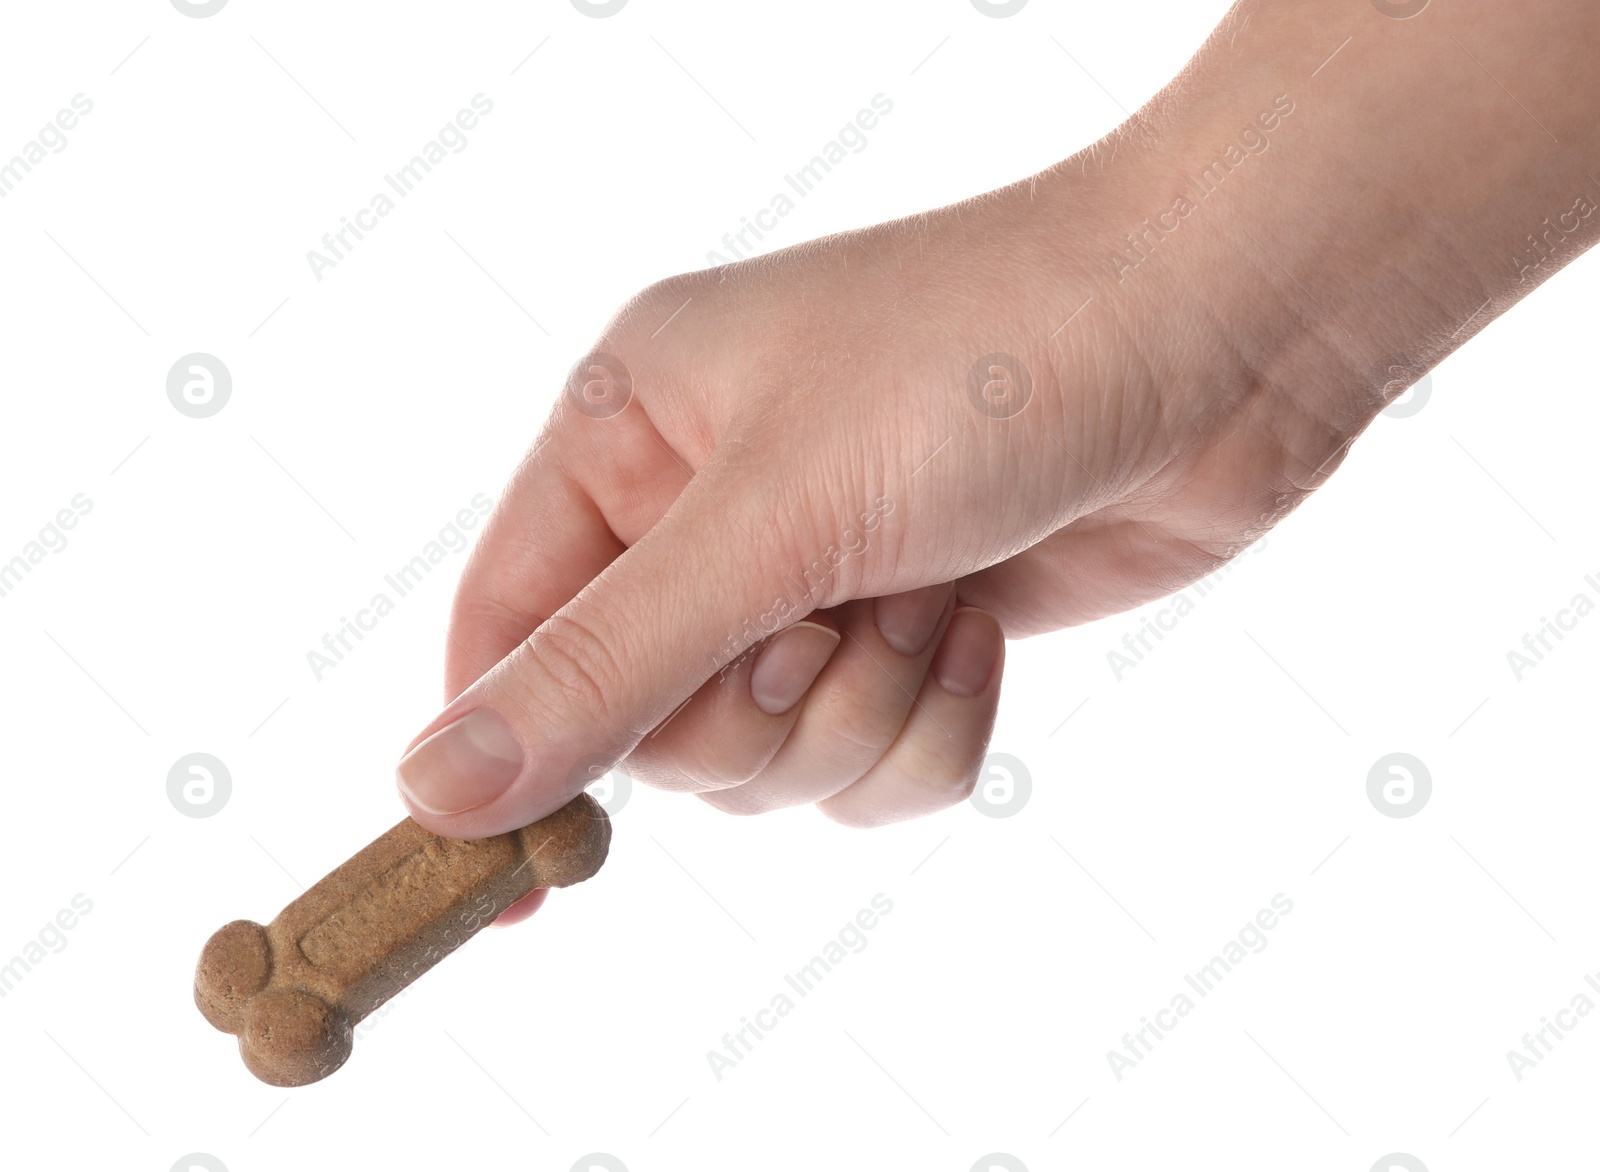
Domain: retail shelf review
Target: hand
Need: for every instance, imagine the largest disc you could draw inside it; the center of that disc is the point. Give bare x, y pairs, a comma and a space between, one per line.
814, 444
822, 442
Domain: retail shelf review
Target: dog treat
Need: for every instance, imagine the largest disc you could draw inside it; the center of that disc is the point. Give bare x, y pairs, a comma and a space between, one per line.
293, 991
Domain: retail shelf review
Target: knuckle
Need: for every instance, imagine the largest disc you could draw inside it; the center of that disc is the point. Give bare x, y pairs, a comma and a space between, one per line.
940, 774
644, 312
701, 767
962, 785
659, 773
863, 722
845, 815
572, 663
729, 801
695, 748
719, 771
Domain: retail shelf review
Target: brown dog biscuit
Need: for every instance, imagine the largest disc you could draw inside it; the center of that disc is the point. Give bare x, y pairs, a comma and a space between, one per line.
294, 990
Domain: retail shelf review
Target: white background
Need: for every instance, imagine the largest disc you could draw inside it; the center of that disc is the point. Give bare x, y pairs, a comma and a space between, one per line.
367, 408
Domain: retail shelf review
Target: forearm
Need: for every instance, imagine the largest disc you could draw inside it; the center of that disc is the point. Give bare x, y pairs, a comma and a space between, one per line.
1346, 197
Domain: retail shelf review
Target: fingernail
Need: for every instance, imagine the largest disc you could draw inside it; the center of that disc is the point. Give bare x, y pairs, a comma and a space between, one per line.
468, 762
788, 664
968, 652
907, 621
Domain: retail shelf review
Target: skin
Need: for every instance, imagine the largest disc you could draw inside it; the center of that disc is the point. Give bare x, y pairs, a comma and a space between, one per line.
1180, 407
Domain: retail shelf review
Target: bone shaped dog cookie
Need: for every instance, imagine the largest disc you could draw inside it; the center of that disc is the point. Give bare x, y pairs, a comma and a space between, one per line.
294, 990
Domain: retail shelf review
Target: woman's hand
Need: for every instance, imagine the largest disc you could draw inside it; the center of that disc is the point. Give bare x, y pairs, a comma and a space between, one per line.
769, 540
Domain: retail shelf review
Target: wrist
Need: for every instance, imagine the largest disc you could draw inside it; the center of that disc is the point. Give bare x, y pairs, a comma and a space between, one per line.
1363, 193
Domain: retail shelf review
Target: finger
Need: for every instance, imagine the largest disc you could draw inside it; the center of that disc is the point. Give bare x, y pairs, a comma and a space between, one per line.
545, 540
550, 534
614, 661
855, 710
728, 730
935, 761
523, 908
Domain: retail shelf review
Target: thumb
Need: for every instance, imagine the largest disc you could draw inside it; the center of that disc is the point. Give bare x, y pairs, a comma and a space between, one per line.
706, 582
